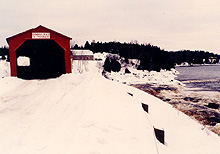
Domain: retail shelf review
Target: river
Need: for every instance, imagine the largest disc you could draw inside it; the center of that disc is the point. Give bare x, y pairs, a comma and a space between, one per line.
205, 77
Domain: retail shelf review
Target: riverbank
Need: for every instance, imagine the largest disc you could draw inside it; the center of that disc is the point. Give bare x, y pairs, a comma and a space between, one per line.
201, 106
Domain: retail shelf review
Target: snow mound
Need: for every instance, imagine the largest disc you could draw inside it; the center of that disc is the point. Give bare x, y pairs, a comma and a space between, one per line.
142, 77
4, 69
85, 113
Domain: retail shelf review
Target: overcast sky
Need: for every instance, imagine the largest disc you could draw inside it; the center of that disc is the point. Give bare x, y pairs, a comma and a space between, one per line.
169, 24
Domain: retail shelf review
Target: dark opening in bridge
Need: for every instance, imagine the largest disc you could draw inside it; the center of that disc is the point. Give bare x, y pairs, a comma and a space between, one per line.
47, 59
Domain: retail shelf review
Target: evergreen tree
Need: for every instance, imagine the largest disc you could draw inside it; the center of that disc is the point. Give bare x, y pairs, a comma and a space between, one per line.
87, 45
107, 65
76, 47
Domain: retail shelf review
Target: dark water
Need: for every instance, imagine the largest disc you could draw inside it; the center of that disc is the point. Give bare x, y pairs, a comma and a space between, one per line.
205, 77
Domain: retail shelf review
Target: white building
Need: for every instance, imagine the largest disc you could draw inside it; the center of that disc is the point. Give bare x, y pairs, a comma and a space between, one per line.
81, 54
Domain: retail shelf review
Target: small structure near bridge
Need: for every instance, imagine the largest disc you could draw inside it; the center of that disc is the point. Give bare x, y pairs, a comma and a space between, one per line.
81, 54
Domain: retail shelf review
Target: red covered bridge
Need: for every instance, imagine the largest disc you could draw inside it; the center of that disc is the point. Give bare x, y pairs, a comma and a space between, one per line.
48, 53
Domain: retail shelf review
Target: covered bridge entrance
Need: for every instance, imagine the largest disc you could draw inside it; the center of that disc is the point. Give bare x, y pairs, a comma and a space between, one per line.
46, 52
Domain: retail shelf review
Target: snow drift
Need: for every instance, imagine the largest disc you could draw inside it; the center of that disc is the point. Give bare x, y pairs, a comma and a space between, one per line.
87, 114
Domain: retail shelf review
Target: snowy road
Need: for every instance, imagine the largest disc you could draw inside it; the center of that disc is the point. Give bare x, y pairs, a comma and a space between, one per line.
65, 115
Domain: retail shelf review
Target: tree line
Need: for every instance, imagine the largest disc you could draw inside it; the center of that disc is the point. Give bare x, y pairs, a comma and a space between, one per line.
151, 57
194, 57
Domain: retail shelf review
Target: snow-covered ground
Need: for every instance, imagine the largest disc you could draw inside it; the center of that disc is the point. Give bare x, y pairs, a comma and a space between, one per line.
142, 77
4, 69
85, 113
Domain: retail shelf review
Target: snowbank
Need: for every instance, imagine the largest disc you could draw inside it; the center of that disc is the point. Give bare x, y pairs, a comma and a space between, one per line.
4, 69
163, 77
88, 114
142, 77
